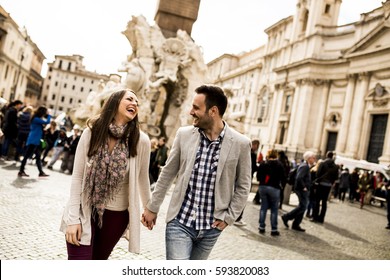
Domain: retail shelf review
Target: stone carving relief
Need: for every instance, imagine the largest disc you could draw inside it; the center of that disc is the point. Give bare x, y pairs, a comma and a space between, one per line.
379, 96
164, 74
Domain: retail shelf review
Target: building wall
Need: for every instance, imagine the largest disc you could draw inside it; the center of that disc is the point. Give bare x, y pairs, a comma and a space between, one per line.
316, 87
68, 84
20, 62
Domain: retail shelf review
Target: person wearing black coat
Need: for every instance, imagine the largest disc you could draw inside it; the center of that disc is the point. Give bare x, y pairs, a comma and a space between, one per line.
327, 174
10, 127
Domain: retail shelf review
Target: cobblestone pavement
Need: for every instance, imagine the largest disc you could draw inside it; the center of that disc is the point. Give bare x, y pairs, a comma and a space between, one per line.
31, 209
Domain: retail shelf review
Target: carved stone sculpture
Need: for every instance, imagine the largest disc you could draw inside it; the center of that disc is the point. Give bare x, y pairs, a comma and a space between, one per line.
164, 74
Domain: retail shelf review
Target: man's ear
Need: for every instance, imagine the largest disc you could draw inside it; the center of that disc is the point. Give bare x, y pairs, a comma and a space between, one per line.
214, 111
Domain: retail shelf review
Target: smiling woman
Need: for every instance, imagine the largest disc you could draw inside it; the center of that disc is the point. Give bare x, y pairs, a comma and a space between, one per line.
110, 178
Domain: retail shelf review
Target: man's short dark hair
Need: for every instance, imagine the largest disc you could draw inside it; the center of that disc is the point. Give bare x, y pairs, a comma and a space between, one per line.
214, 97
16, 102
329, 154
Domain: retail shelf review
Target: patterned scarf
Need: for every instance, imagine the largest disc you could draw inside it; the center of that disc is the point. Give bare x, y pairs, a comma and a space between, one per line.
106, 173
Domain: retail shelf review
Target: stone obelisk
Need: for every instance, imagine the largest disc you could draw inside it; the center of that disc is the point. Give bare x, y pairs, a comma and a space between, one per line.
173, 15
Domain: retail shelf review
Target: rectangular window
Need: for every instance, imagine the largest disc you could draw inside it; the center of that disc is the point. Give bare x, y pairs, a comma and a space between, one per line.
287, 105
327, 9
6, 72
70, 100
53, 97
62, 98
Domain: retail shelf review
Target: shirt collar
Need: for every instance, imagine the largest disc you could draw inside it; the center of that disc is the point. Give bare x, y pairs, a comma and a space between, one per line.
220, 137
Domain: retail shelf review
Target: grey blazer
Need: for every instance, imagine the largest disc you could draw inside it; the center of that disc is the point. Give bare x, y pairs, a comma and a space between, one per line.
233, 179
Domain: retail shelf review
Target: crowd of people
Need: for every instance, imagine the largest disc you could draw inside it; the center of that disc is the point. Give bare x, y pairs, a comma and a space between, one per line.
315, 182
31, 134
117, 170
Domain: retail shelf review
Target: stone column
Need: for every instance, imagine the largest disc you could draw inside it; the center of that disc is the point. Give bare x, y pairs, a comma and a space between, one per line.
355, 129
346, 115
294, 112
319, 131
274, 117
303, 117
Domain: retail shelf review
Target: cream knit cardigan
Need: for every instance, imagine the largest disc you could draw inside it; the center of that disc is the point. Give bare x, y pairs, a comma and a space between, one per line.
76, 211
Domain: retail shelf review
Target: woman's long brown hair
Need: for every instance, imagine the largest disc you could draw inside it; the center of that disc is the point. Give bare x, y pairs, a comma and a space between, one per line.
99, 125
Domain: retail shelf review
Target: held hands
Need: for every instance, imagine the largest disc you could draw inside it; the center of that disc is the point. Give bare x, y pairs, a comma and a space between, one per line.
73, 234
148, 218
221, 225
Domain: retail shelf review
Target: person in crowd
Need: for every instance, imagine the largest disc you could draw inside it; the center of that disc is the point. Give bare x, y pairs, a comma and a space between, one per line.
110, 181
161, 155
313, 189
379, 186
283, 159
334, 193
254, 148
24, 120
212, 164
10, 127
327, 174
302, 189
344, 185
61, 143
353, 186
50, 135
40, 118
153, 169
70, 151
271, 175
364, 184
259, 159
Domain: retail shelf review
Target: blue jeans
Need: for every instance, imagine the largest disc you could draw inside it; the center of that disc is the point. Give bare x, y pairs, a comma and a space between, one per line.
186, 243
297, 213
270, 197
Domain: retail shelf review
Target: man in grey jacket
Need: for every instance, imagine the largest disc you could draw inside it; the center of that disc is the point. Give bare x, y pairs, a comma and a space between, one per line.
213, 168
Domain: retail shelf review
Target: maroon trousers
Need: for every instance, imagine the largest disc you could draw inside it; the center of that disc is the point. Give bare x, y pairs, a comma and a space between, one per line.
103, 239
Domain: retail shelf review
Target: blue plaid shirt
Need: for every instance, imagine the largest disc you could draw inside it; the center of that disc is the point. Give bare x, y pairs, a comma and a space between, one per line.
197, 210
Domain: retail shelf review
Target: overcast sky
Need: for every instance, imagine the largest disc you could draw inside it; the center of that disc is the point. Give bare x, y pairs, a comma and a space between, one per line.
92, 28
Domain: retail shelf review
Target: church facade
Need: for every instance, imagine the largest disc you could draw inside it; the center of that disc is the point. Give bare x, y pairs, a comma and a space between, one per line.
315, 85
